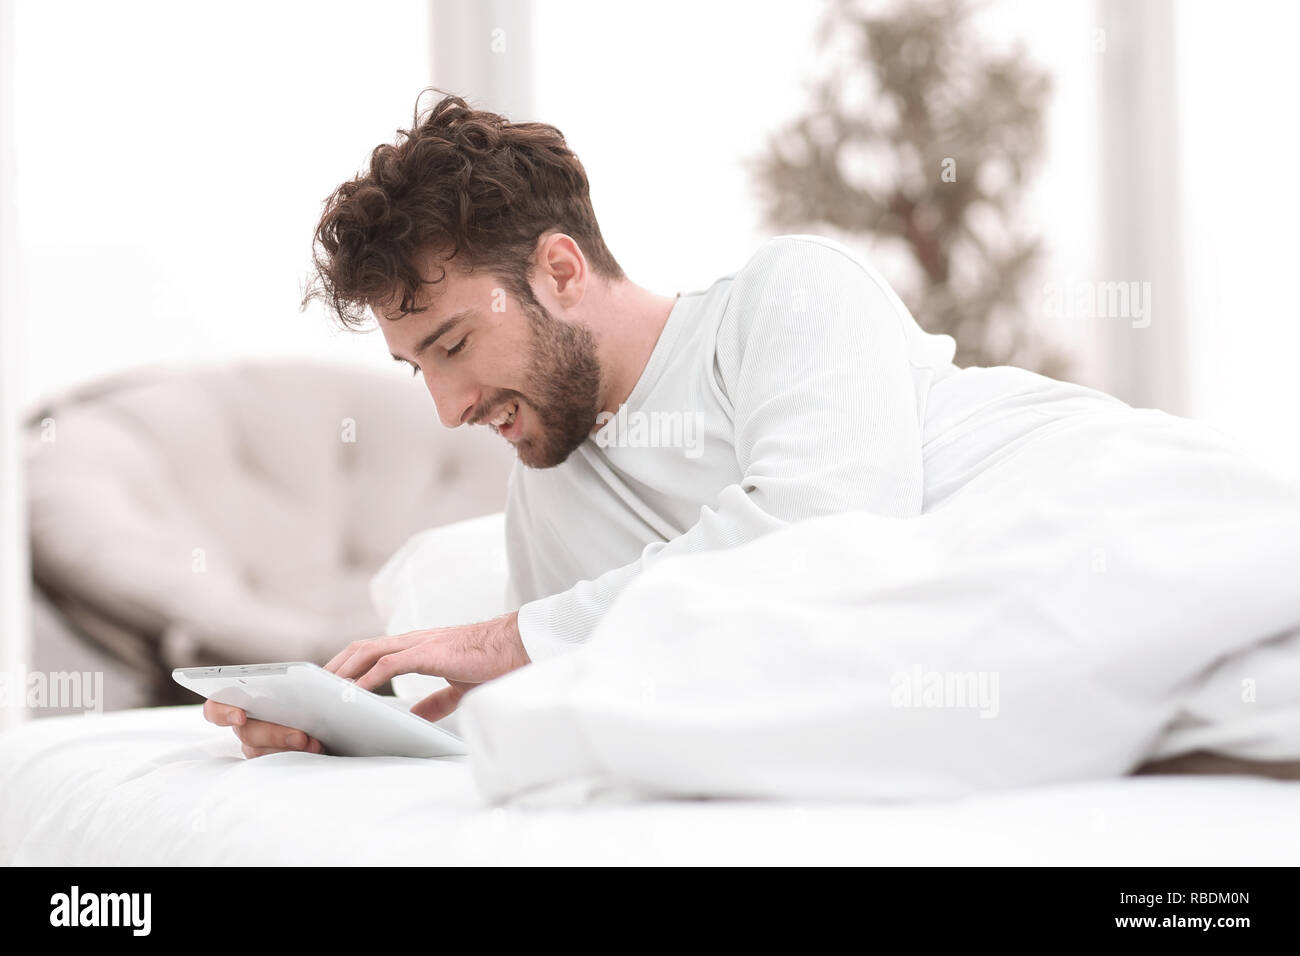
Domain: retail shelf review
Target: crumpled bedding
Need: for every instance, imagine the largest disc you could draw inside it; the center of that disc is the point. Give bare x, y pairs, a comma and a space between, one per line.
1123, 588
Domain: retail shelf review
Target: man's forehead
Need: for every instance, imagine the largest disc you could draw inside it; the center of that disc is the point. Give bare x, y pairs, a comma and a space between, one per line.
425, 298
452, 292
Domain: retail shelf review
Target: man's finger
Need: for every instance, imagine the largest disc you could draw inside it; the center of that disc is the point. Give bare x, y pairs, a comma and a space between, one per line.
265, 735
419, 660
314, 746
440, 703
337, 660
251, 752
223, 715
368, 652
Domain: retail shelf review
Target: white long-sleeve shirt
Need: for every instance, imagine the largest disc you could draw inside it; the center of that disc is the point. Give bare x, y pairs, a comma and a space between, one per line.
799, 386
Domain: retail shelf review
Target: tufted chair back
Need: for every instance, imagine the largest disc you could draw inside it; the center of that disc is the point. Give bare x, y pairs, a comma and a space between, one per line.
236, 513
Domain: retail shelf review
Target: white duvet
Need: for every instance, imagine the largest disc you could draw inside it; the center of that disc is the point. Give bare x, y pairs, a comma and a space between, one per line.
1126, 586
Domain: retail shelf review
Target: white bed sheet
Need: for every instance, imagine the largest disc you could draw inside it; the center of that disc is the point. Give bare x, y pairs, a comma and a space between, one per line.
162, 787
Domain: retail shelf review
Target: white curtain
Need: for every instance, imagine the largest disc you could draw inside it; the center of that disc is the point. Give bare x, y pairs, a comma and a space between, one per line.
13, 535
1237, 75
1197, 136
483, 52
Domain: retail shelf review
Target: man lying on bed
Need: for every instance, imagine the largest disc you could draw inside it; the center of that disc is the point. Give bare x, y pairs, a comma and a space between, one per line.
645, 426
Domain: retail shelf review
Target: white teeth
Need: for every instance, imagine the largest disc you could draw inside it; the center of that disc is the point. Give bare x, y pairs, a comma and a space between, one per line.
507, 417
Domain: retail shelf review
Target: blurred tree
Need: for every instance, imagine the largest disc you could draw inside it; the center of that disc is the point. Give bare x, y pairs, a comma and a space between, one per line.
925, 138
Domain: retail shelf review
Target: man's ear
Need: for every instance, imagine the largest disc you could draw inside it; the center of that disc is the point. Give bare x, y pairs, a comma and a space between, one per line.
562, 268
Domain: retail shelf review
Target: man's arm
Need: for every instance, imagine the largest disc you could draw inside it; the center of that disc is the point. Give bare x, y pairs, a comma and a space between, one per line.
465, 656
814, 358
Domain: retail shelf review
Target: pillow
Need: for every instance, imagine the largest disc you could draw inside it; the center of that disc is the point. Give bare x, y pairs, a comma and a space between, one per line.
454, 574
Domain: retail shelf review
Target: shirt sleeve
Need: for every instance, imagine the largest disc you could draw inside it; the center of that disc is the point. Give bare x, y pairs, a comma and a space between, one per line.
813, 355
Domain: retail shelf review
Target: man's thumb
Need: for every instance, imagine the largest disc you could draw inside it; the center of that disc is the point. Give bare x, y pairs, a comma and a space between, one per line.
439, 704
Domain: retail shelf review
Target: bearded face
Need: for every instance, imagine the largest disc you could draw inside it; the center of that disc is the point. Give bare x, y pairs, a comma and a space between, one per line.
553, 414
535, 379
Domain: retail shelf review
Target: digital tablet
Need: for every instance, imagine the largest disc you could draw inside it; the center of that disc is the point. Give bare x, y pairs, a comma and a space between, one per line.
346, 719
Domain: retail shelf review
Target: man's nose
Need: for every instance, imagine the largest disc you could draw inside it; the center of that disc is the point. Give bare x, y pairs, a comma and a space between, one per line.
455, 402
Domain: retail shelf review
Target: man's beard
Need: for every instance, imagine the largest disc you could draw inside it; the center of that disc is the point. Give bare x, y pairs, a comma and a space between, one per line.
564, 379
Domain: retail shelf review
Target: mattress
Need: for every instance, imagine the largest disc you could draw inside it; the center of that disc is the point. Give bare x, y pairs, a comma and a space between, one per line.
162, 787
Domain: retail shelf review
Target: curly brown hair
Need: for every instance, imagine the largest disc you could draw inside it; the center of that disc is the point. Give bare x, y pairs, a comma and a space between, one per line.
461, 183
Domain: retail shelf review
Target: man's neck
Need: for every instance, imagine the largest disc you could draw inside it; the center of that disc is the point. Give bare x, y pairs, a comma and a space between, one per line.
627, 322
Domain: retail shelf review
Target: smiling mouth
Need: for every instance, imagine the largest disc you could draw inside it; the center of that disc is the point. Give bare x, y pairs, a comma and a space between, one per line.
504, 419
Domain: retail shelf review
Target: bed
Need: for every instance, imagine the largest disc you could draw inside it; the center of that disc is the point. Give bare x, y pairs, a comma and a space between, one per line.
762, 679
161, 787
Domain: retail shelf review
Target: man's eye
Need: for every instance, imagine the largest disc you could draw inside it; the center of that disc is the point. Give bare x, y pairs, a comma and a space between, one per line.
458, 346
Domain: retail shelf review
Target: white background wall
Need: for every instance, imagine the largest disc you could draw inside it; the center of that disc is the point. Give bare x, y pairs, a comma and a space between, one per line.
173, 158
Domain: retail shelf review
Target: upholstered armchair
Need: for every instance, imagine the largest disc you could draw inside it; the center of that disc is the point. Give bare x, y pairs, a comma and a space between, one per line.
236, 513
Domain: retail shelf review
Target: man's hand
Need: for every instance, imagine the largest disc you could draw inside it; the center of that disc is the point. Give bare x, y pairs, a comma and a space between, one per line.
259, 737
465, 656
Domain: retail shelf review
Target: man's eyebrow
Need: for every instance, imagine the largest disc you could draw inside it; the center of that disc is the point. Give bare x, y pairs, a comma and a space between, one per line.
442, 329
